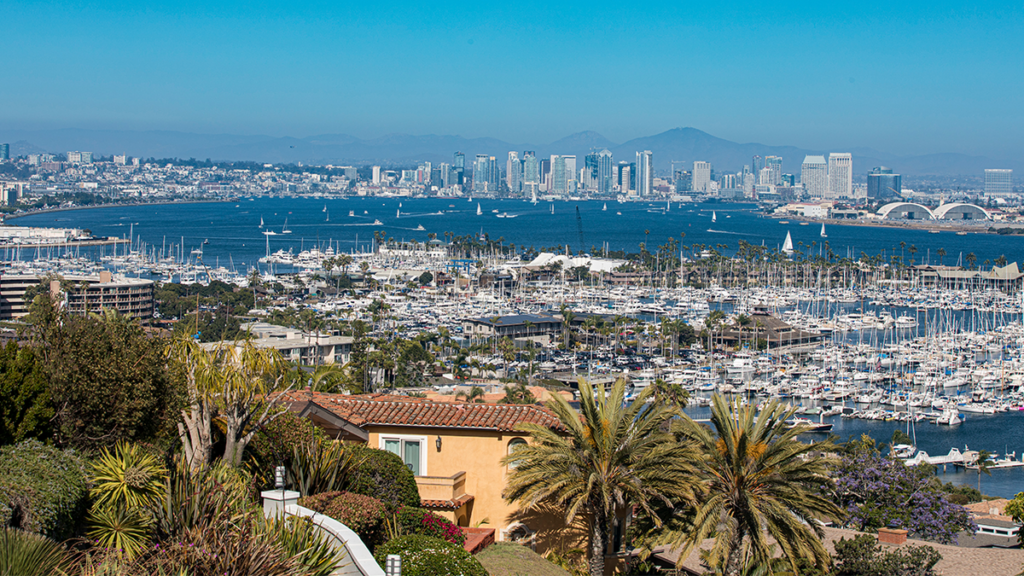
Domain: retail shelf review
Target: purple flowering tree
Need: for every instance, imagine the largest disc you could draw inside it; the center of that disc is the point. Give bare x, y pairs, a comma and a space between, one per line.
881, 492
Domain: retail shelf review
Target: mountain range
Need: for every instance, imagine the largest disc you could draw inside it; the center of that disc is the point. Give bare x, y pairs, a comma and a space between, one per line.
679, 144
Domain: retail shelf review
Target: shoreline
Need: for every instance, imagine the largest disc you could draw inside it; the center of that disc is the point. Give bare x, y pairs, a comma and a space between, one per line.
969, 229
101, 206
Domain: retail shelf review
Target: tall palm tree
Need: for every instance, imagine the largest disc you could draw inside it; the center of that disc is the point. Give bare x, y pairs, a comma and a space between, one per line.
756, 481
607, 457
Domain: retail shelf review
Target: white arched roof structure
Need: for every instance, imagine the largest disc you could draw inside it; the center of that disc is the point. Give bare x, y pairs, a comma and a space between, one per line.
905, 211
961, 211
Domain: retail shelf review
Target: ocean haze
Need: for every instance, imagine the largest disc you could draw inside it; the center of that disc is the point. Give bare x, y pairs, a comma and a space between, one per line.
679, 144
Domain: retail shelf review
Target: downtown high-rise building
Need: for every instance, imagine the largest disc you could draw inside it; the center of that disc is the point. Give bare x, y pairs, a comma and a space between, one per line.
531, 169
701, 176
998, 182
485, 174
626, 177
883, 184
644, 173
814, 176
514, 173
757, 163
774, 165
559, 177
598, 171
459, 165
376, 175
840, 175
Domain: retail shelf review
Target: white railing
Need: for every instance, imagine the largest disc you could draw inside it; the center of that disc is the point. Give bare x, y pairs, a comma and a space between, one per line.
358, 562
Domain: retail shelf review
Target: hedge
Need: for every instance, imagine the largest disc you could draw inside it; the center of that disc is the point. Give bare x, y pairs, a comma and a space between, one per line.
42, 489
363, 514
427, 556
382, 475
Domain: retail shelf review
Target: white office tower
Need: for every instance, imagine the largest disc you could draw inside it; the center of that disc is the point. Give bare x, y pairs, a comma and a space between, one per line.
840, 175
625, 176
814, 176
701, 176
570, 172
774, 165
644, 173
514, 173
376, 175
764, 178
998, 182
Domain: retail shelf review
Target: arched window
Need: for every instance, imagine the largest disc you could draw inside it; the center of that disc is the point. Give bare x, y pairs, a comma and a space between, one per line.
513, 445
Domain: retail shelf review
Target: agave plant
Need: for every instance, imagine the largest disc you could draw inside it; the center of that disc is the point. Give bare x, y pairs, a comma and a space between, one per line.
321, 466
27, 554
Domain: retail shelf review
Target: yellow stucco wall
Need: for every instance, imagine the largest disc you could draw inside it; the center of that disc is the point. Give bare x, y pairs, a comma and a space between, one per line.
478, 453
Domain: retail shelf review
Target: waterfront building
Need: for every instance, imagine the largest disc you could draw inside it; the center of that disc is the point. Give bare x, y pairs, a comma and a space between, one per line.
627, 173
644, 173
998, 182
701, 176
513, 172
303, 348
883, 184
132, 297
840, 175
814, 176
376, 175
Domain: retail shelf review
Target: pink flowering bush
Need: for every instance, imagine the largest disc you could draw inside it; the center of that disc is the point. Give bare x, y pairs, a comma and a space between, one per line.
426, 523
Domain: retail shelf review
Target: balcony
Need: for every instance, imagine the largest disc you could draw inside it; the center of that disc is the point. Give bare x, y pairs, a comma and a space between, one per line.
443, 492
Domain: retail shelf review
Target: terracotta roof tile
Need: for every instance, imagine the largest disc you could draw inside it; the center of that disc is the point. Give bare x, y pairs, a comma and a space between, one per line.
383, 409
453, 504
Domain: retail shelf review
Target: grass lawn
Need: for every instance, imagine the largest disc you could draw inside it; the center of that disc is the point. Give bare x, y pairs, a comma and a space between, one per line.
508, 559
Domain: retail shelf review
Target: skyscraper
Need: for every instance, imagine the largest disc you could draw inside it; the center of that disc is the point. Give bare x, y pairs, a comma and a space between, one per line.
514, 172
644, 173
376, 175
701, 176
774, 164
757, 163
840, 175
559, 179
590, 171
531, 168
998, 182
604, 172
814, 176
627, 173
481, 173
883, 184
5, 152
460, 168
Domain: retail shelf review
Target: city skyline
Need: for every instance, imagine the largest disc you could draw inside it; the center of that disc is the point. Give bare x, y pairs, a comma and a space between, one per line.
399, 67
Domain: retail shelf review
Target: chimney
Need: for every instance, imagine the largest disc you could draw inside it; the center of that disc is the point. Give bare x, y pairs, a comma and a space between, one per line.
894, 536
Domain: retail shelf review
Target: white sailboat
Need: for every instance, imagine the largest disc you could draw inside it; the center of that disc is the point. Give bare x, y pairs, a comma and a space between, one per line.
605, 207
284, 229
478, 210
398, 213
668, 205
787, 246
714, 217
325, 207
533, 195
552, 208
823, 235
261, 221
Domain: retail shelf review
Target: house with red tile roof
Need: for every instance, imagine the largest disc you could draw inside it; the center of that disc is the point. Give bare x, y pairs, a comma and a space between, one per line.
453, 448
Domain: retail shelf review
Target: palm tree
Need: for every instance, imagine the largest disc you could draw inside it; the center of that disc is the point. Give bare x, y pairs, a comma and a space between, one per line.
475, 394
604, 459
983, 462
757, 481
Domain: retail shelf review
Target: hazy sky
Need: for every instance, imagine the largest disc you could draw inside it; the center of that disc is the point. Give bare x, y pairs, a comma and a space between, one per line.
901, 77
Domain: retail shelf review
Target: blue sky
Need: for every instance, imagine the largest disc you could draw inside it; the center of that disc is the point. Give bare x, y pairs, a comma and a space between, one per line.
901, 77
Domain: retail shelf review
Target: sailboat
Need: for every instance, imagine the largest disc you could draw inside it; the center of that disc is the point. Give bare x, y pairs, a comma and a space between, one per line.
668, 205
823, 235
328, 217
325, 207
261, 221
284, 229
787, 246
714, 217
398, 213
533, 195
478, 210
552, 208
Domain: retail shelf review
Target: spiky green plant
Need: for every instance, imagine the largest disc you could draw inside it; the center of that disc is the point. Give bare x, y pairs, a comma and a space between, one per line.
606, 457
128, 477
304, 541
27, 554
123, 530
758, 482
320, 466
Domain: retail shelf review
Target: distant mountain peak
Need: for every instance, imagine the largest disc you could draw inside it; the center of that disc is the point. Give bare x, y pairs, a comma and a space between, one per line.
585, 138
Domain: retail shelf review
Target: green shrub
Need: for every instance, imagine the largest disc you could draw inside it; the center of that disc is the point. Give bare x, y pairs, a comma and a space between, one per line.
42, 489
363, 514
273, 443
427, 556
863, 556
425, 523
382, 475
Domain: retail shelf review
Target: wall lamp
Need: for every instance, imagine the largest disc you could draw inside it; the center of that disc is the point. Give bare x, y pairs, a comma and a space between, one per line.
438, 443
